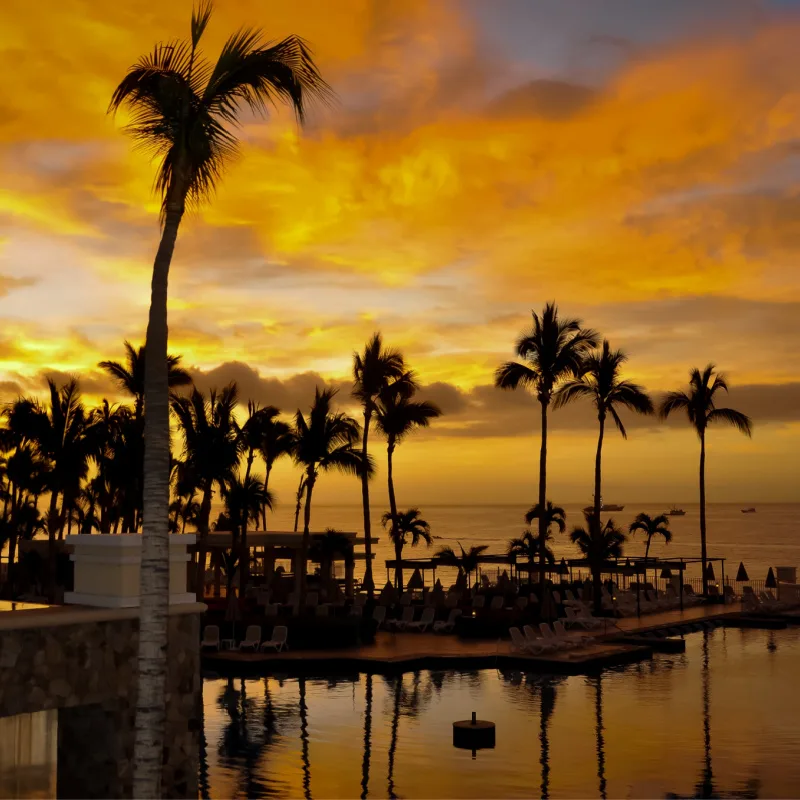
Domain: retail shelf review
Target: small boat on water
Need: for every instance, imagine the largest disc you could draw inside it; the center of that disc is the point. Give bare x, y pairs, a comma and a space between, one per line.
604, 507
676, 512
748, 511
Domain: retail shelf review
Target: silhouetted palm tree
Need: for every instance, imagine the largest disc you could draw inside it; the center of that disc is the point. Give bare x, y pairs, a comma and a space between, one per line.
130, 375
275, 442
324, 441
105, 435
373, 371
299, 494
650, 527
701, 411
405, 524
244, 499
211, 449
466, 563
552, 351
553, 515
397, 415
528, 547
598, 547
186, 111
600, 381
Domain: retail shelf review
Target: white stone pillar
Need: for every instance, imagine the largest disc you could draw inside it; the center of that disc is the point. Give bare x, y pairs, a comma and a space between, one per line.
107, 568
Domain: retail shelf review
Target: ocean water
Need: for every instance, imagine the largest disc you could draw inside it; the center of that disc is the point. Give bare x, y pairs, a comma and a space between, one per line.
768, 538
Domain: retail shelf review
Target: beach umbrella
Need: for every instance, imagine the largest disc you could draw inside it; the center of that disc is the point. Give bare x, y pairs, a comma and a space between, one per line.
387, 595
666, 573
710, 572
368, 585
741, 574
770, 582
563, 569
415, 582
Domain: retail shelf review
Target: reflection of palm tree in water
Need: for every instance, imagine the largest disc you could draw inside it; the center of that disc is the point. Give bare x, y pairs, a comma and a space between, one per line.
304, 740
601, 755
203, 785
398, 687
706, 786
548, 702
367, 738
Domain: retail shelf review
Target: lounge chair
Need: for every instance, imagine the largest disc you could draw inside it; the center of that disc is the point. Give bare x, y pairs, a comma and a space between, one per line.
399, 624
523, 644
356, 611
561, 633
312, 599
497, 603
729, 594
689, 596
440, 626
521, 603
550, 637
210, 640
452, 600
587, 622
424, 622
479, 601
278, 640
406, 598
272, 609
536, 643
252, 638
379, 615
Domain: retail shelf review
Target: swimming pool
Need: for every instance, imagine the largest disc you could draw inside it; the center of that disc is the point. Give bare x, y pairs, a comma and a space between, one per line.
720, 719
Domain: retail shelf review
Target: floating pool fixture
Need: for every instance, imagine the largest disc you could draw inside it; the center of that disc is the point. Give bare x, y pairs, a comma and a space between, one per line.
473, 734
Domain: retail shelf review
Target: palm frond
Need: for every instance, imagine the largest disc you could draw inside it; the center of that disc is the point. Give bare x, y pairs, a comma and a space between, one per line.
737, 419
674, 401
512, 374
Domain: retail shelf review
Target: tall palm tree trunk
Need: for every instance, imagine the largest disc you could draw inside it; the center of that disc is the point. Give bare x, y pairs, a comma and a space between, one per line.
203, 522
594, 528
154, 591
368, 581
543, 495
299, 503
264, 507
398, 547
703, 550
398, 570
300, 579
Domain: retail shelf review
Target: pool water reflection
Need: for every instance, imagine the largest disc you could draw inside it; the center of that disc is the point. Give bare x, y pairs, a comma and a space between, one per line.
717, 720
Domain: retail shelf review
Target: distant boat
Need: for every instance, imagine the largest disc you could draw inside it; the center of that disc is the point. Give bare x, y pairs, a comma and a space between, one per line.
676, 512
604, 507
748, 511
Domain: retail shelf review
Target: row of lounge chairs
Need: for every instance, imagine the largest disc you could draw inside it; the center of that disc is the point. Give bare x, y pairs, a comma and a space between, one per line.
427, 620
549, 639
252, 639
765, 601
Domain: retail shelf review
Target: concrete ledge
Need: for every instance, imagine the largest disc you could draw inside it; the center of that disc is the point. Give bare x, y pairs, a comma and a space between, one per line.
114, 601
56, 616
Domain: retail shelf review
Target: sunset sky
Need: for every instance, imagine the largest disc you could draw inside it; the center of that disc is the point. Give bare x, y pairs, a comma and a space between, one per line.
637, 161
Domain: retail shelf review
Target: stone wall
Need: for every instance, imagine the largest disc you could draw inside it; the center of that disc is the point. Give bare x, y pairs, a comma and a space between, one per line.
87, 670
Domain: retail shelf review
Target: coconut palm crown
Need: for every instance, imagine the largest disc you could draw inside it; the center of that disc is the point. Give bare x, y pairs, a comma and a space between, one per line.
402, 525
651, 527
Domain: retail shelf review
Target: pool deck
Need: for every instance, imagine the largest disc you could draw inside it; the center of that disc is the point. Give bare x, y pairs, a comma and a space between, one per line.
402, 652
